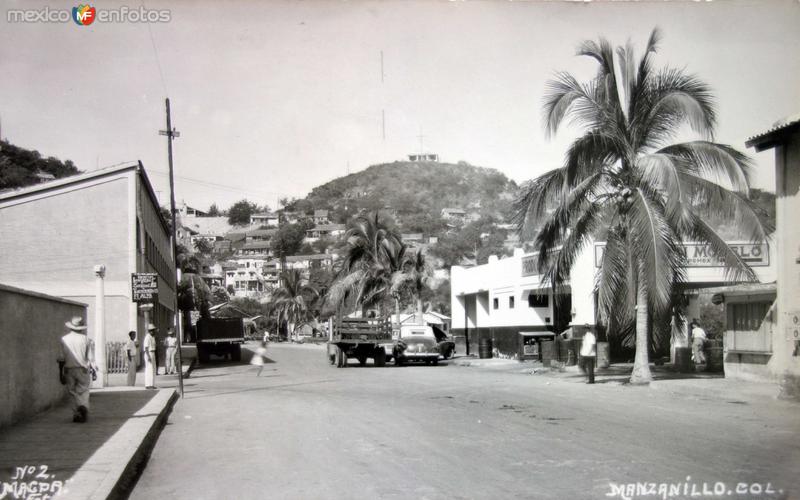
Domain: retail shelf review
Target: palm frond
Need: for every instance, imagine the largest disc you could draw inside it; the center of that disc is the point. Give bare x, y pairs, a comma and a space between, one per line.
736, 269
715, 161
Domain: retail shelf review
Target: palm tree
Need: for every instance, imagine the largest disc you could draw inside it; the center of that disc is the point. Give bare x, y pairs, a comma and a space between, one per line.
626, 180
291, 301
415, 274
373, 255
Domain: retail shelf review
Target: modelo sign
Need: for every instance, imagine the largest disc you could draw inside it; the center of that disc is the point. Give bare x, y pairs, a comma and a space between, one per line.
702, 255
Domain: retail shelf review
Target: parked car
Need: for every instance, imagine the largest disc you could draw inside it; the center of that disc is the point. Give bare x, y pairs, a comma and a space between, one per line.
416, 343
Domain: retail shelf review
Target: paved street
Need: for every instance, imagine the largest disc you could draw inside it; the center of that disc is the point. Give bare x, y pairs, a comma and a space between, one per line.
305, 429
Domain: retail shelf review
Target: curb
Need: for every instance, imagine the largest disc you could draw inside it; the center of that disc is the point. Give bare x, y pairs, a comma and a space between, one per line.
138, 434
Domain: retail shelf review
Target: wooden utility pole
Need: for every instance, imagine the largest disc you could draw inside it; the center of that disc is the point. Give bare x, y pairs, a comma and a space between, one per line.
171, 133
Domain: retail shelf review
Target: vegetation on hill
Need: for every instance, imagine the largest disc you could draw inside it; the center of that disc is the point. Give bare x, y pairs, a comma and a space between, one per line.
413, 194
19, 167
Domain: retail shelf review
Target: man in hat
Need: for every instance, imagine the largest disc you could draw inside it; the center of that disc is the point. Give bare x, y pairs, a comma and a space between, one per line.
132, 349
149, 349
75, 362
171, 343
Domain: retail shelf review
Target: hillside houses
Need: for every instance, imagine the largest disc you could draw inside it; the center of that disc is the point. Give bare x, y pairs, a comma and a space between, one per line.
325, 231
267, 219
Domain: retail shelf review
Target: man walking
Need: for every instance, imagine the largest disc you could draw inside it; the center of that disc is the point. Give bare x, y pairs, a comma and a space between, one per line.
589, 353
132, 349
150, 357
74, 363
698, 341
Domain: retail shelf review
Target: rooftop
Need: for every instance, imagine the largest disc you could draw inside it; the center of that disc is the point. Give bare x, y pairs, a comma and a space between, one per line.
778, 133
327, 227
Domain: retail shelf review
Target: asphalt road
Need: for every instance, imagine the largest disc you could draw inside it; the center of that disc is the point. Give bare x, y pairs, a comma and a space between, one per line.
306, 430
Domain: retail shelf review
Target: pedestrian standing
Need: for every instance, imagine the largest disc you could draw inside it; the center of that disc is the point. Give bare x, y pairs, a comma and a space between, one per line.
75, 362
132, 349
171, 343
150, 357
698, 342
259, 357
589, 353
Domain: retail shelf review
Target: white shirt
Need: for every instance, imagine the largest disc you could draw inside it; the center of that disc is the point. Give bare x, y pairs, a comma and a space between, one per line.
76, 350
149, 343
131, 348
587, 346
699, 333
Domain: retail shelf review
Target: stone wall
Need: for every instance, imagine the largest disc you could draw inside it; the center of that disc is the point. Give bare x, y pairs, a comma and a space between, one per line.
31, 327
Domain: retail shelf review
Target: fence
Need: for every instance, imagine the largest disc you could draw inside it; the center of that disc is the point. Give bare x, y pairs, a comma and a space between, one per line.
116, 357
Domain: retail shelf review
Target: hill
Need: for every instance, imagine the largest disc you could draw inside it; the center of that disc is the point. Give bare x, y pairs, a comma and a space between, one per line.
20, 167
414, 194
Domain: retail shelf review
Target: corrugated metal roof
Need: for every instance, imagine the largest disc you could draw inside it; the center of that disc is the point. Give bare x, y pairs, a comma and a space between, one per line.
765, 140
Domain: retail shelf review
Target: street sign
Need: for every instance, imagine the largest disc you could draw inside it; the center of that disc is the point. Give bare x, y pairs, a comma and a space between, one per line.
144, 287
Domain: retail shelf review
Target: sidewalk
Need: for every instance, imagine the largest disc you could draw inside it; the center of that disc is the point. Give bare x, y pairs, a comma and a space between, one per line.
698, 384
102, 458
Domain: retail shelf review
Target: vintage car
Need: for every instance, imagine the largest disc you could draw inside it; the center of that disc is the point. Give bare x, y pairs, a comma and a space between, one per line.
416, 343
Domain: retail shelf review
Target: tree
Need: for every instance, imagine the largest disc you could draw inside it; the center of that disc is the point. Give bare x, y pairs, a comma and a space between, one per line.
240, 212
626, 179
416, 275
19, 166
290, 302
213, 210
219, 295
476, 241
203, 246
288, 240
374, 253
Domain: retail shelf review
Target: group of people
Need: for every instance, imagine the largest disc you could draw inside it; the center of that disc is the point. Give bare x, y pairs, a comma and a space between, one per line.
77, 367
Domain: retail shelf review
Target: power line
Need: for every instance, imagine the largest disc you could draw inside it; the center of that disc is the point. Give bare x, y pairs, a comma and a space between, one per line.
155, 51
218, 185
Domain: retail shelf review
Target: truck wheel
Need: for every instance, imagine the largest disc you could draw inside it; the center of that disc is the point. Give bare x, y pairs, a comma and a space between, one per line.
236, 352
341, 358
202, 353
380, 357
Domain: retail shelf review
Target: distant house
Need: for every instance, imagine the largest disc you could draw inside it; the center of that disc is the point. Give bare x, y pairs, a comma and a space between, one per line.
207, 228
454, 215
423, 157
252, 248
185, 210
321, 217
325, 231
221, 246
292, 217
260, 235
264, 219
412, 238
303, 263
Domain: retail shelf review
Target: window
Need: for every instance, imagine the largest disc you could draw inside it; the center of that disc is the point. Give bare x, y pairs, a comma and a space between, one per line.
511, 302
496, 303
535, 300
748, 317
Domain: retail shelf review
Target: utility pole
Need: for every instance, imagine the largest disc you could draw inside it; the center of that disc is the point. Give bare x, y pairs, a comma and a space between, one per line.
171, 133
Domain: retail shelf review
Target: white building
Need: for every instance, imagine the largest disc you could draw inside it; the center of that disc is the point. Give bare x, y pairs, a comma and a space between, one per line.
505, 297
264, 219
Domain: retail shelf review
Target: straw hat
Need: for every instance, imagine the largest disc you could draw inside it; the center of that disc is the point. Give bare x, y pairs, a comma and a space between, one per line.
151, 327
75, 324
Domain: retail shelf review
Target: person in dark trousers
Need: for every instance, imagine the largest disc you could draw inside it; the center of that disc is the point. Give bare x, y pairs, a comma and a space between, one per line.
589, 354
75, 364
132, 349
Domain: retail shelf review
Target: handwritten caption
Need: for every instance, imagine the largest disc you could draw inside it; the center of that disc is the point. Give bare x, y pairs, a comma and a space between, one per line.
32, 482
690, 489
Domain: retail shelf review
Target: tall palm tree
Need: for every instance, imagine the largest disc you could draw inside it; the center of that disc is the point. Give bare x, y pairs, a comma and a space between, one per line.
626, 180
374, 254
290, 302
415, 274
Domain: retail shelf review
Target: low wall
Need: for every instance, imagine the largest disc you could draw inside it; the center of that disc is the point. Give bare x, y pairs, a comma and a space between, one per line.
31, 327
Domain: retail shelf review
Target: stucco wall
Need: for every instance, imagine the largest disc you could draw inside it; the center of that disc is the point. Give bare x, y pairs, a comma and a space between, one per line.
31, 326
785, 365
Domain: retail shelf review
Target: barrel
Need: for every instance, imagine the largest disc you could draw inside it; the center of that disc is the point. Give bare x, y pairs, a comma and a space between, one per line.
714, 356
548, 352
603, 355
485, 348
683, 360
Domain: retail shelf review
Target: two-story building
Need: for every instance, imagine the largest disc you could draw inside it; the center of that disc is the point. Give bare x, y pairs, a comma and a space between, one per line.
55, 233
325, 231
267, 219
321, 217
506, 297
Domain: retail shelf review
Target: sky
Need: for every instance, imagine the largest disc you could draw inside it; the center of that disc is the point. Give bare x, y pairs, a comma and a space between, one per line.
274, 98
